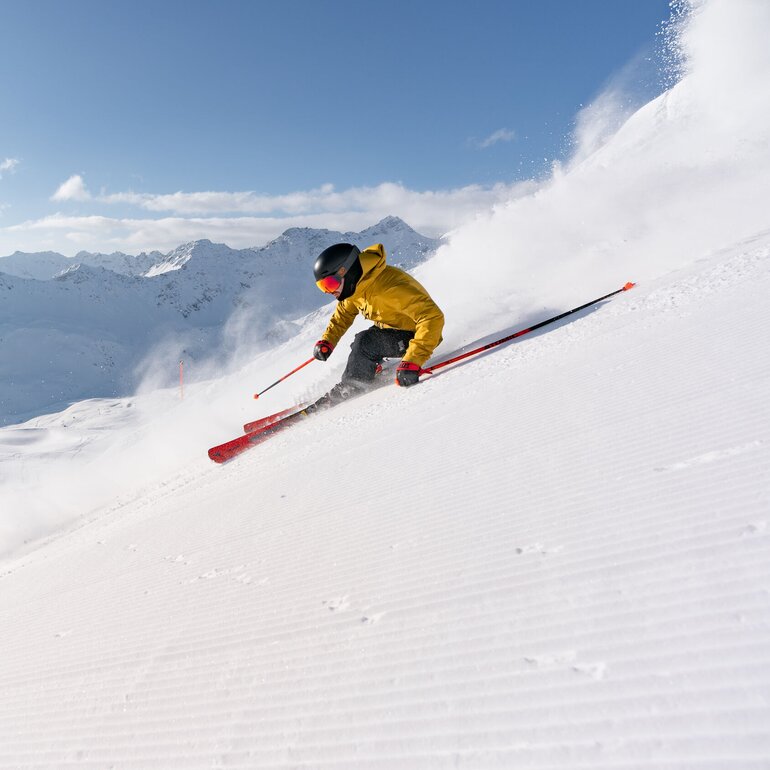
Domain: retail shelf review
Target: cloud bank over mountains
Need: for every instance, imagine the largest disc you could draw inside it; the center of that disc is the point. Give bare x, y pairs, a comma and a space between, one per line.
142, 221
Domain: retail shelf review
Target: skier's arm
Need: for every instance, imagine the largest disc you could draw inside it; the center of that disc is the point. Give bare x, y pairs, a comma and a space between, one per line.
429, 323
342, 319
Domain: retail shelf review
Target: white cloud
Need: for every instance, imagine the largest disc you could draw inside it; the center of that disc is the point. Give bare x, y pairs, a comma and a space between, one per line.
8, 165
74, 189
501, 135
243, 219
390, 197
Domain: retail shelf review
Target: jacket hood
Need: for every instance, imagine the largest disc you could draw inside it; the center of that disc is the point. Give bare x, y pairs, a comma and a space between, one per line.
370, 263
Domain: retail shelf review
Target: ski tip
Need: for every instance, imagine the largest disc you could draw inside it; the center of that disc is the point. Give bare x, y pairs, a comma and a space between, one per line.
228, 450
222, 454
629, 285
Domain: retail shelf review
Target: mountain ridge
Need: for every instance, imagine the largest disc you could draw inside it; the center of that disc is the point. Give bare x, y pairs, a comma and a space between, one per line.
59, 312
407, 245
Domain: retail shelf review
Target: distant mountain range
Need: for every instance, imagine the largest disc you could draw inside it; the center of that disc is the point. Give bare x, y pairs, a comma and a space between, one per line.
80, 327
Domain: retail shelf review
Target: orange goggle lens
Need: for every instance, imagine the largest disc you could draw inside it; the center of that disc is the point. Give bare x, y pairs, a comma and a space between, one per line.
330, 284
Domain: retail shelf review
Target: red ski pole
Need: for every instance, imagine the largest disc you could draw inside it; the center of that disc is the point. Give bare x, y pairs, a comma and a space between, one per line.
522, 332
285, 376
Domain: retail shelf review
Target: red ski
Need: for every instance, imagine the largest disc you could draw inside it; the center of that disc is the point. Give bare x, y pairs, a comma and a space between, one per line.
230, 449
264, 422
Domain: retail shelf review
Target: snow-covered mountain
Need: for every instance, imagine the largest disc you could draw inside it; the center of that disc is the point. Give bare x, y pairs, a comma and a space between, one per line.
406, 248
96, 324
552, 557
44, 265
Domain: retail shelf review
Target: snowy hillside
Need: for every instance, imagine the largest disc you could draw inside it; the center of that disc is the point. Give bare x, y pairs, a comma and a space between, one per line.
554, 555
98, 325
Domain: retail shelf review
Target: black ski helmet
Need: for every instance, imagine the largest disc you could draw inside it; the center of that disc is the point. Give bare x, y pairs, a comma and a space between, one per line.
336, 260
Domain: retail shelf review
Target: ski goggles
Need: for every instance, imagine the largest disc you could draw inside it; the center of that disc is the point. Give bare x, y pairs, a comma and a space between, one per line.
330, 284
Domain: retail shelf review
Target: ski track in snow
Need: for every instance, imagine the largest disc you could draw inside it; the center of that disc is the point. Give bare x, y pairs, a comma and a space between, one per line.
579, 578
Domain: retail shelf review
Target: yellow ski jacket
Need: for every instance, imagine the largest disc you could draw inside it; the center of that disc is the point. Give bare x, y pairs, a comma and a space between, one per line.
391, 299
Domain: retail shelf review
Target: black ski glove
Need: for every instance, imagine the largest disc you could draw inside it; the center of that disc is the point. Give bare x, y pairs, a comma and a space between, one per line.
322, 350
407, 374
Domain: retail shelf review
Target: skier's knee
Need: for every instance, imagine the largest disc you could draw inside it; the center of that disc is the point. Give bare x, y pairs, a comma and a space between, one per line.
362, 345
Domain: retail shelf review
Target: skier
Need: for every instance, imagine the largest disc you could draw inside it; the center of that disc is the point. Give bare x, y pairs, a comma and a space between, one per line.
407, 322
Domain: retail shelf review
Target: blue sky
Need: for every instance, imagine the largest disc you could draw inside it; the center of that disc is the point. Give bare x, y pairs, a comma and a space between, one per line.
138, 125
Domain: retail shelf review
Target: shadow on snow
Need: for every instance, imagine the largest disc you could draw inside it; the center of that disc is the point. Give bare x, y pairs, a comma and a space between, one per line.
523, 329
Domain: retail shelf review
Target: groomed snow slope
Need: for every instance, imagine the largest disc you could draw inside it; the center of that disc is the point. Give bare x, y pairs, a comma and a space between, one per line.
554, 556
